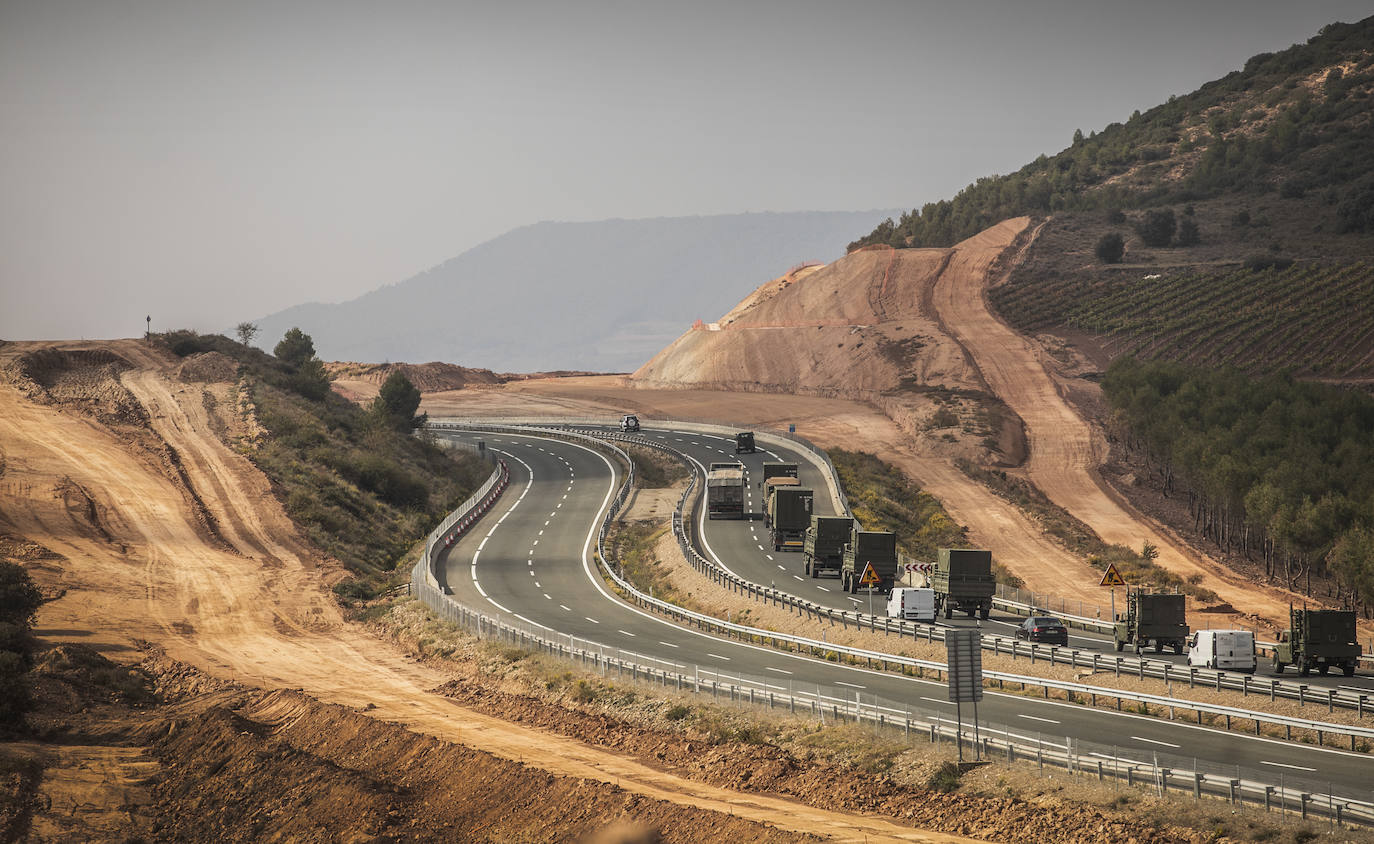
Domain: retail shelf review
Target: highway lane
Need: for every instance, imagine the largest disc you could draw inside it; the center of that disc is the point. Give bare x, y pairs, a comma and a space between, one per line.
547, 578
743, 547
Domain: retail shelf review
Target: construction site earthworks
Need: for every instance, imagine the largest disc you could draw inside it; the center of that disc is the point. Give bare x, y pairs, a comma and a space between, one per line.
201, 680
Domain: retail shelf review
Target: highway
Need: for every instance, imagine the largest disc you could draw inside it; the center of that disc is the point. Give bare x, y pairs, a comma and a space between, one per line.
531, 558
742, 547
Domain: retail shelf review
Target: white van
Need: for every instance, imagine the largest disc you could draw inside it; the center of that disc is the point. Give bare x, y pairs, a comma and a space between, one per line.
912, 604
1232, 650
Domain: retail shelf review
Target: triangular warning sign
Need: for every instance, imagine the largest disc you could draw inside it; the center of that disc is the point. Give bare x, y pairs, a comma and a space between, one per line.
1112, 577
870, 577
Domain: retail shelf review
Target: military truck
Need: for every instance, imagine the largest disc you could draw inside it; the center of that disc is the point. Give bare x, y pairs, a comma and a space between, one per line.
1320, 639
778, 470
876, 548
962, 580
824, 543
788, 516
725, 491
744, 443
1152, 617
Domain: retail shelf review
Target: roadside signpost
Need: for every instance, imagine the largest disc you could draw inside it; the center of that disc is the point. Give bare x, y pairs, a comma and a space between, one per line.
1111, 577
870, 579
964, 655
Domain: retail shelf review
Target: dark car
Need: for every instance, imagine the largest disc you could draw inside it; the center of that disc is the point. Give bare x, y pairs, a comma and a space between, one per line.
1042, 628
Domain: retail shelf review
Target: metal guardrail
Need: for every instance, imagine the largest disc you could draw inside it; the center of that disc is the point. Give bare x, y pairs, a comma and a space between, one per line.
1304, 796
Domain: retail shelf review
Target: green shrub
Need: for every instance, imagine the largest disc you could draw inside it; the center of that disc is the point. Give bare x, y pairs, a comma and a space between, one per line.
1110, 248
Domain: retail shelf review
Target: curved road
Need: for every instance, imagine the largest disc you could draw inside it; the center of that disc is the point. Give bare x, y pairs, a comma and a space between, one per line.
531, 558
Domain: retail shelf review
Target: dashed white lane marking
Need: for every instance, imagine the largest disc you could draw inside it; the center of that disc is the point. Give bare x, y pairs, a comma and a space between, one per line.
546, 521
566, 607
547, 595
669, 644
761, 548
781, 567
769, 556
796, 577
541, 533
850, 685
537, 586
718, 656
531, 572
1037, 718
1282, 765
822, 588
626, 632
536, 542
592, 620
778, 670
1153, 741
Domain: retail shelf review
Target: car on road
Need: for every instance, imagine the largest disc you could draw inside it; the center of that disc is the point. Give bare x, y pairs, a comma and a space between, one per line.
629, 423
1043, 628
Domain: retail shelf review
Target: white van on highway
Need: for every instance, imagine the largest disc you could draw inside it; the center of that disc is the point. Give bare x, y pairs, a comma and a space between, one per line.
1232, 650
912, 604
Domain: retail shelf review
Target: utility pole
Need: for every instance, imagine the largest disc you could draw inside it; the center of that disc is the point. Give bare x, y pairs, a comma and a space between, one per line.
148, 332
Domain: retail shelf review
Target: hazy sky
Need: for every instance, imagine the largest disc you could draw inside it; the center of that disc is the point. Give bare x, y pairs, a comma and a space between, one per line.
208, 162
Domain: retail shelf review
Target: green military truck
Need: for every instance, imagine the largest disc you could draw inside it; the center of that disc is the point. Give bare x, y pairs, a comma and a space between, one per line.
876, 548
788, 516
744, 443
1152, 617
778, 470
962, 580
1320, 639
824, 543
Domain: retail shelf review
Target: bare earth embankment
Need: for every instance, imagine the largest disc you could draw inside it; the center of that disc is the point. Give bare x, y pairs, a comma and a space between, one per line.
192, 554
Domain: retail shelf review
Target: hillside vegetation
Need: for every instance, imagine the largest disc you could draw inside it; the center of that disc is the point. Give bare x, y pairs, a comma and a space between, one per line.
1272, 467
1310, 319
361, 488
1295, 122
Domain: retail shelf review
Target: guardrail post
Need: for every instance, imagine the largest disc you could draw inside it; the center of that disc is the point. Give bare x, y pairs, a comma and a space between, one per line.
1330, 700
1302, 693
1302, 801
1232, 785
1268, 792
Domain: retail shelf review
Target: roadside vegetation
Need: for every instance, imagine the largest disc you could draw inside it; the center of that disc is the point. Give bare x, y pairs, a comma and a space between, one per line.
883, 497
362, 487
1137, 567
1292, 122
653, 468
1272, 467
20, 599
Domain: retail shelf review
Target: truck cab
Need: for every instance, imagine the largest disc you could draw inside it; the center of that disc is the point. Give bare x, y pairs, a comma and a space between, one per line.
629, 423
744, 443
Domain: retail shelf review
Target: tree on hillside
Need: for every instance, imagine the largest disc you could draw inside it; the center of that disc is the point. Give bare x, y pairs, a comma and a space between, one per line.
397, 402
1157, 227
1110, 248
1188, 234
296, 347
246, 332
308, 378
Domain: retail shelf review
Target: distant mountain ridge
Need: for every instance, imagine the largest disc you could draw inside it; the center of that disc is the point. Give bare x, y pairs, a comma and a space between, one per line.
603, 296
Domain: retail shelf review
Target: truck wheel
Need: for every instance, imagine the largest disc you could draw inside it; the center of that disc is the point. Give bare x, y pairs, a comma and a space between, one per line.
1305, 668
1278, 666
1159, 647
1178, 649
1348, 669
1120, 645
983, 613
1323, 668
949, 610
971, 612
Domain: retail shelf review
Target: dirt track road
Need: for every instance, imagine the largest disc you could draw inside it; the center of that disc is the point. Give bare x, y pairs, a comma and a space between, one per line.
1064, 453
254, 610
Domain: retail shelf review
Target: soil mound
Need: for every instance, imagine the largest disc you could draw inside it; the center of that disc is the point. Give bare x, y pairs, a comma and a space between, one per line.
211, 367
430, 377
287, 767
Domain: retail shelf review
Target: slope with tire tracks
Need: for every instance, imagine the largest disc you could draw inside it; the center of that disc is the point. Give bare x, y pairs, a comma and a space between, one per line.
1064, 452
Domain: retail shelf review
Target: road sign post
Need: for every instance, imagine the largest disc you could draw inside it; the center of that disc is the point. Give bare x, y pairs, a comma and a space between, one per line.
964, 655
870, 579
1111, 577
